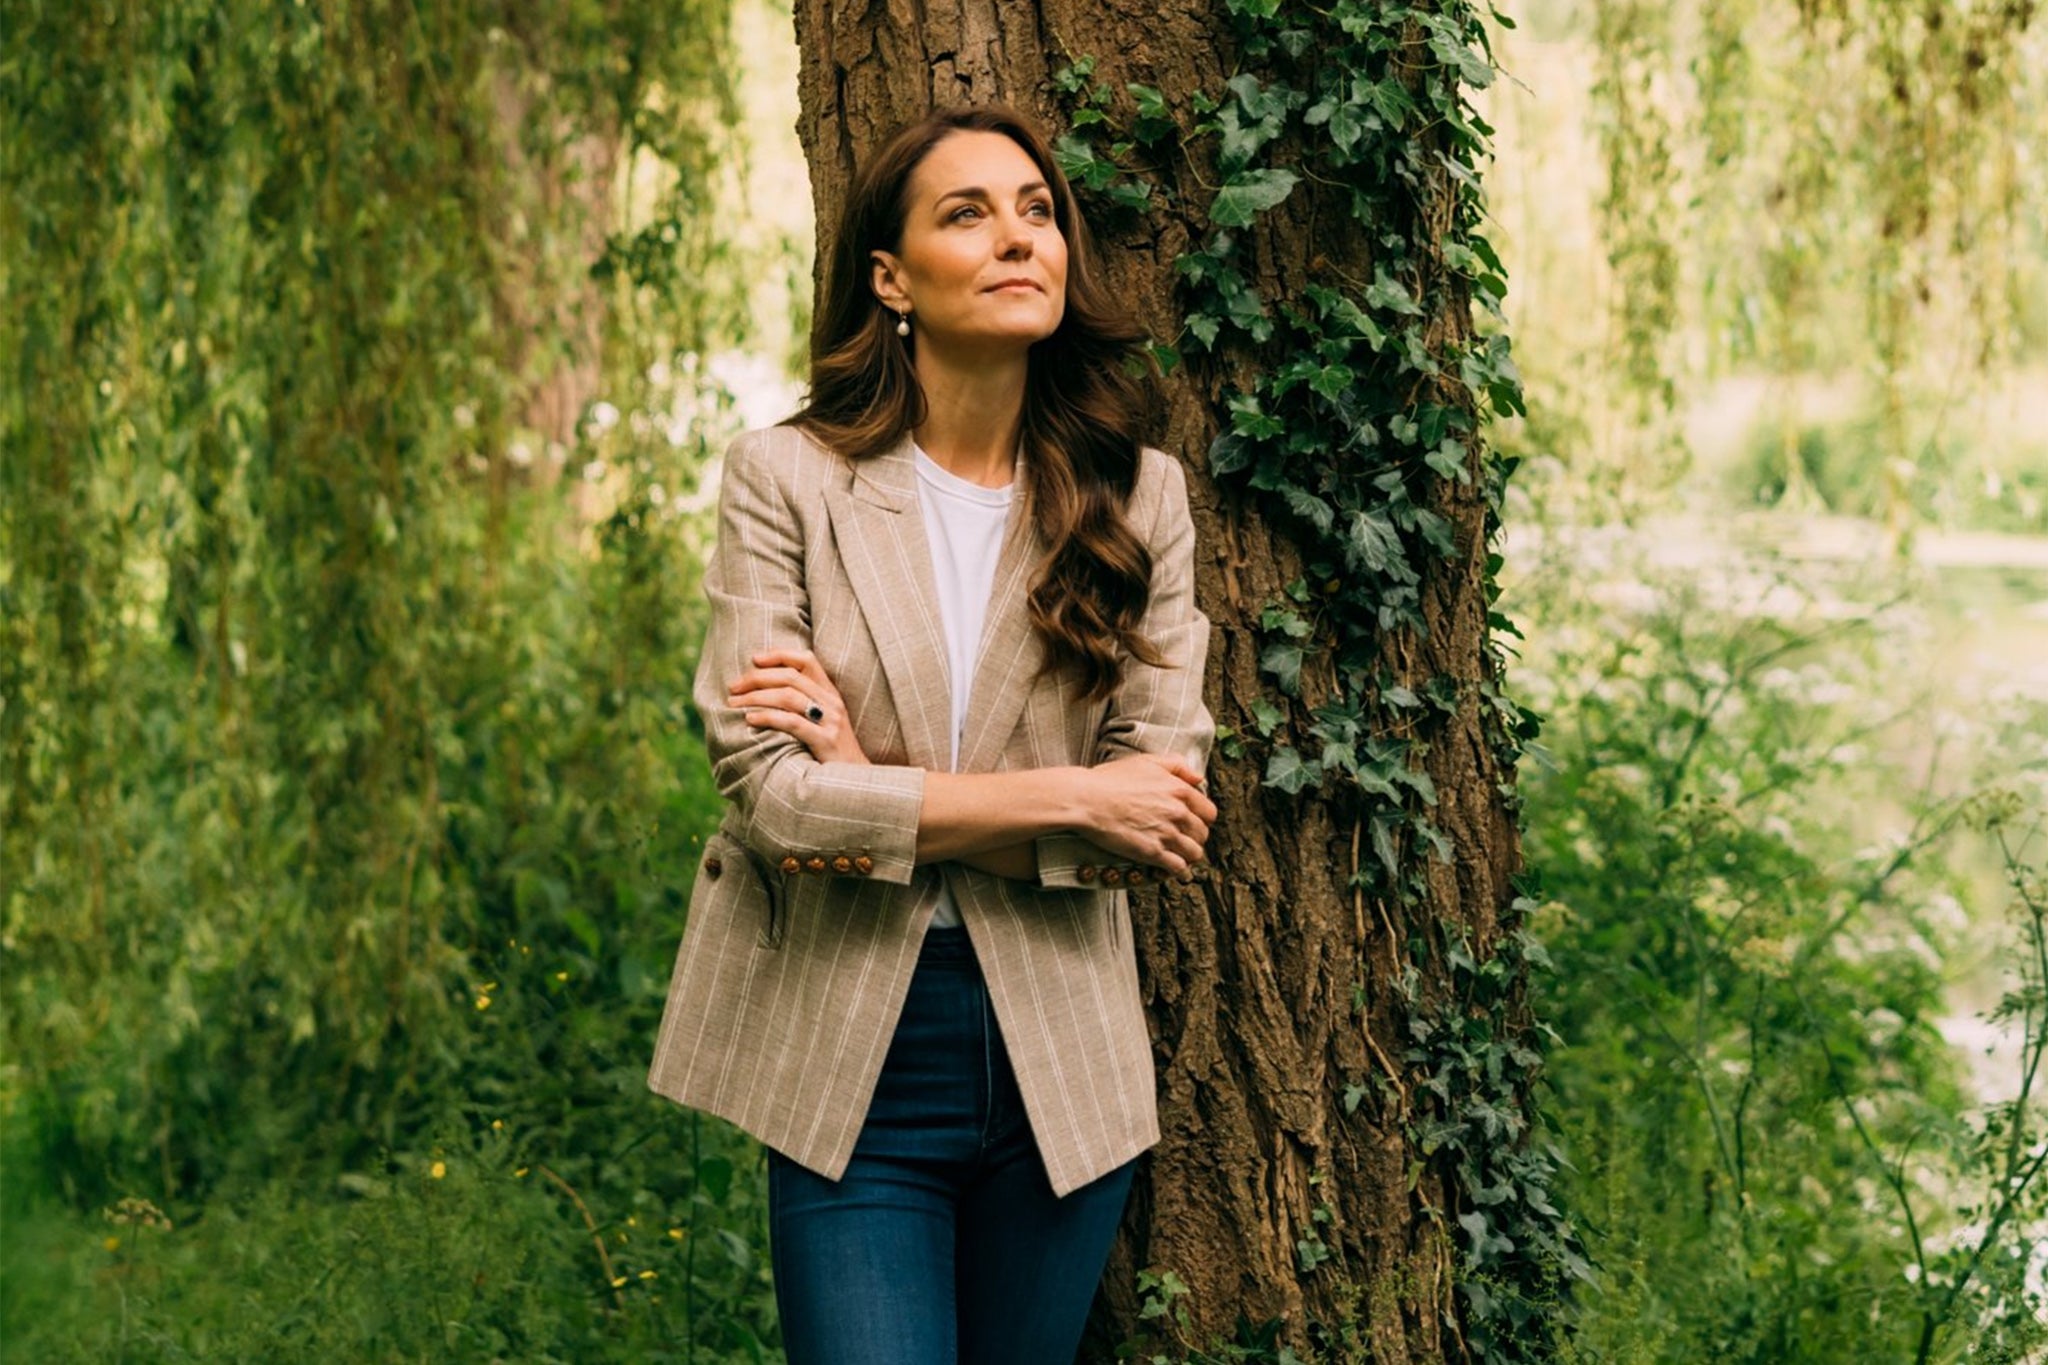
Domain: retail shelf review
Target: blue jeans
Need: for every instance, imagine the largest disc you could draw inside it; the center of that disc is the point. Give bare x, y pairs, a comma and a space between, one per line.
943, 1242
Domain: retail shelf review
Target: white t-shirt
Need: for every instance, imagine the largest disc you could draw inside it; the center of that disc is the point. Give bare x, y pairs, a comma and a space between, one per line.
964, 524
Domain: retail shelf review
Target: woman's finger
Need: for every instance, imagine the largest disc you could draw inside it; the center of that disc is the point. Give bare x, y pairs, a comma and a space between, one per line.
779, 698
776, 677
802, 660
800, 728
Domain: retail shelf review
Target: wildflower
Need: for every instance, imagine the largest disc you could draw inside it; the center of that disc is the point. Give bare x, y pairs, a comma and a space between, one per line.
676, 1233
519, 1174
137, 1212
619, 1282
561, 976
646, 1274
112, 1244
483, 1002
497, 1125
438, 1169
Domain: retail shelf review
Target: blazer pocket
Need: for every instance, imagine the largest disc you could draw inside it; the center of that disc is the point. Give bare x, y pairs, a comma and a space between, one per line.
743, 883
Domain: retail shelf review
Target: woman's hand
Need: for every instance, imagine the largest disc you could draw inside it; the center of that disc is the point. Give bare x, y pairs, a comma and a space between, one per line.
1151, 809
787, 690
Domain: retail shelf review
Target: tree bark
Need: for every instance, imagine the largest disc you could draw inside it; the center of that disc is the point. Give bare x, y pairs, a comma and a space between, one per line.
1251, 972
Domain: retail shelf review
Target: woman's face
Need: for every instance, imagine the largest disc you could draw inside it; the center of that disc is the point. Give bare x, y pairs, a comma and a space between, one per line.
981, 265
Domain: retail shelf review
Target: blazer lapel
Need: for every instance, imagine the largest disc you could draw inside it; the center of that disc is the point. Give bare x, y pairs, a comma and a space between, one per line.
879, 527
1011, 653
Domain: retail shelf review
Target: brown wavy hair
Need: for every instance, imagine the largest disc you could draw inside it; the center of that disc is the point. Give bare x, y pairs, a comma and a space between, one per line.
1084, 412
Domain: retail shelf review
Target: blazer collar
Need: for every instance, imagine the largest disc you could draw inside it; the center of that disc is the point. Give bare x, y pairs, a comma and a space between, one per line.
889, 479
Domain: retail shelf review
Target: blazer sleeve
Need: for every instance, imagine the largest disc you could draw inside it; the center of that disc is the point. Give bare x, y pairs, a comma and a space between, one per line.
1156, 710
800, 814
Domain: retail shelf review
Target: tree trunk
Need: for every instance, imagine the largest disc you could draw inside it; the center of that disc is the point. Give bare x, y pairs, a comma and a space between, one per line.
1255, 973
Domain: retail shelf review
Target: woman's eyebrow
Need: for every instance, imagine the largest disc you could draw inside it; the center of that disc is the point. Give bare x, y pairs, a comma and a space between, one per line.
977, 192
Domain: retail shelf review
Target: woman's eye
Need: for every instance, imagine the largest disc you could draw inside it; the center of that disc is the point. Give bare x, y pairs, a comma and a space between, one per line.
1040, 207
959, 215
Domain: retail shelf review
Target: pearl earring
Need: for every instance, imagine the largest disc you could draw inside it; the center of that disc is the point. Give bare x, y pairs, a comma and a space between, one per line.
903, 324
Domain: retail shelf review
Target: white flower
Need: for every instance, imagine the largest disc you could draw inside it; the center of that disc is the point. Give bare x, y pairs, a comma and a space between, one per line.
603, 416
465, 416
594, 471
520, 454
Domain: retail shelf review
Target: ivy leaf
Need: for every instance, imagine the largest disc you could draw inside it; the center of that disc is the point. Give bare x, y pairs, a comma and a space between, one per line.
1131, 194
1375, 540
1447, 458
1383, 846
1204, 326
1390, 294
1266, 716
1436, 531
1310, 508
1249, 193
1292, 624
1420, 781
1392, 101
1229, 453
1332, 380
1283, 659
1346, 126
1249, 418
1288, 771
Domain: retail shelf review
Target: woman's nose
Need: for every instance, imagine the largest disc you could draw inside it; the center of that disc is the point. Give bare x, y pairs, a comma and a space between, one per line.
1016, 238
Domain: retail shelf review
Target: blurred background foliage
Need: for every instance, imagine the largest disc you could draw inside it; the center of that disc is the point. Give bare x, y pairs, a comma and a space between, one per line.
366, 364
1780, 554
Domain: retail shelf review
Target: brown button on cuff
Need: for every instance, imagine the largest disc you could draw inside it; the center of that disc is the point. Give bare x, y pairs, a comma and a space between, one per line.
1112, 876
816, 864
1135, 877
1085, 872
790, 864
712, 867
865, 864
842, 864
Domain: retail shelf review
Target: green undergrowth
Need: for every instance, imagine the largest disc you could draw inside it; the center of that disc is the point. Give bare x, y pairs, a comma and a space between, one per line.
1768, 852
463, 1249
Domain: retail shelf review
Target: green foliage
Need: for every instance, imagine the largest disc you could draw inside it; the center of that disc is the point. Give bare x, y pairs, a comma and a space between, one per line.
350, 785
303, 699
1983, 479
1785, 190
1765, 1121
464, 1251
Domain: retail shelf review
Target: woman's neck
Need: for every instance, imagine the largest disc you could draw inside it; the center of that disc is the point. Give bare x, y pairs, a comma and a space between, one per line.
973, 413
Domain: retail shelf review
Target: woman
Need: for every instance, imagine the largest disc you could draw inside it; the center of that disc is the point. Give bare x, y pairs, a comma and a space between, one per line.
952, 692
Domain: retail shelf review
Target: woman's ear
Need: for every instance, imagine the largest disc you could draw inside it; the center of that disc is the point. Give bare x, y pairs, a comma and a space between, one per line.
882, 278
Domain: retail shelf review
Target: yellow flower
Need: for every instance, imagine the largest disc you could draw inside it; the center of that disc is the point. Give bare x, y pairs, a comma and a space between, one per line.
676, 1233
483, 1002
561, 976
112, 1244
497, 1125
646, 1274
438, 1169
619, 1282
519, 1174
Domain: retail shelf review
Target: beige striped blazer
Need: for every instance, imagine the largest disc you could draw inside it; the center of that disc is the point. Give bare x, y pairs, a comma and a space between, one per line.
809, 907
